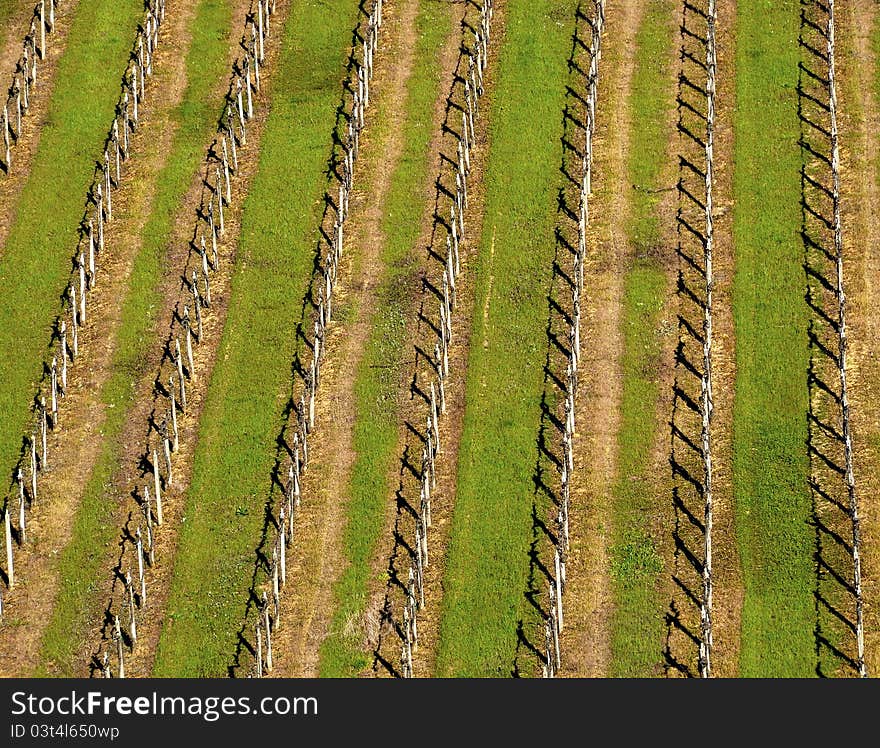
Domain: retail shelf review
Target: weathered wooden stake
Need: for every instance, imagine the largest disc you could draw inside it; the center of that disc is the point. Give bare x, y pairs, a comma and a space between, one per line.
126, 125
63, 356
91, 254
440, 377
282, 550
44, 427
10, 567
42, 29
179, 360
231, 132
275, 587
259, 635
82, 288
267, 626
254, 52
8, 160
247, 85
238, 97
116, 148
148, 513
207, 288
75, 328
140, 557
176, 444
189, 350
559, 581
220, 207
54, 375
100, 215
197, 303
157, 482
119, 652
226, 177
296, 472
33, 467
107, 191
22, 523
260, 28
167, 447
132, 622
434, 417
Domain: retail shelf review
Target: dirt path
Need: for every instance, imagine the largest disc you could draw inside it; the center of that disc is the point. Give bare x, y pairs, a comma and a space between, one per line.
859, 119
131, 476
72, 449
22, 153
316, 560
588, 598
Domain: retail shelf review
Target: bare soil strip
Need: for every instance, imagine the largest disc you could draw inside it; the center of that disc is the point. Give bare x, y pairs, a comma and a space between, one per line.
72, 449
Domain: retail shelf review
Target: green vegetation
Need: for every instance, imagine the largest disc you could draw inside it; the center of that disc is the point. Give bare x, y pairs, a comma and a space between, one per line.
488, 561
81, 570
769, 420
250, 384
35, 263
637, 621
376, 427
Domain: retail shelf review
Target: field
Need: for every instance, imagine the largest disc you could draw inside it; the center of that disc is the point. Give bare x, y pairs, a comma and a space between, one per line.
405, 338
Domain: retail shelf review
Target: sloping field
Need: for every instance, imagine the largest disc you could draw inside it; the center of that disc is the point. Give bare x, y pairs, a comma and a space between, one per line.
400, 338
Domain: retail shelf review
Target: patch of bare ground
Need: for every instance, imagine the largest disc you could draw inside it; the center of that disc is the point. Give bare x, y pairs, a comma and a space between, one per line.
72, 448
394, 559
22, 153
859, 119
316, 560
151, 403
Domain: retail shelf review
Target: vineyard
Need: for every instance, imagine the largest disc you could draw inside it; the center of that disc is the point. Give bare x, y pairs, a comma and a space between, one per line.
439, 338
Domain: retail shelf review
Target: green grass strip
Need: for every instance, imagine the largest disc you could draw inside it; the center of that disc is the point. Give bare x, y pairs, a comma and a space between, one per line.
488, 562
34, 265
637, 619
251, 380
376, 427
770, 465
94, 527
